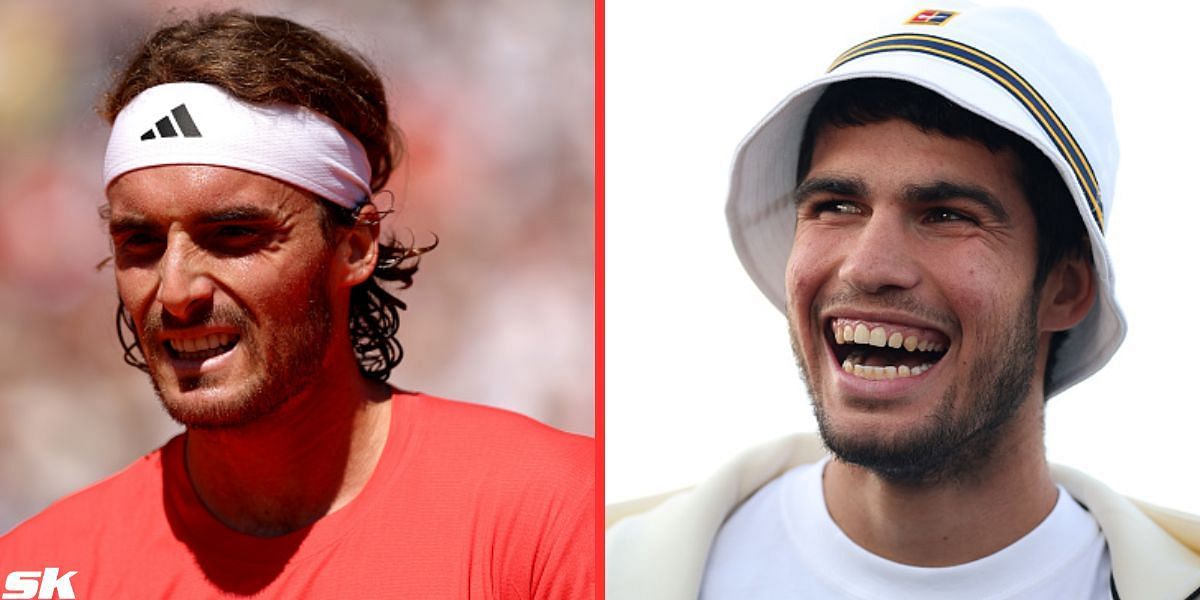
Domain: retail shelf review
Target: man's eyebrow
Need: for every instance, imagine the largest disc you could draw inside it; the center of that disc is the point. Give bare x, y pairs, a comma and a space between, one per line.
945, 190
840, 186
118, 224
236, 214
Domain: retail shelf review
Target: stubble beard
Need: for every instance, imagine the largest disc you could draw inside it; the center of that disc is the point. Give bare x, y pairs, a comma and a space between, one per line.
286, 367
951, 444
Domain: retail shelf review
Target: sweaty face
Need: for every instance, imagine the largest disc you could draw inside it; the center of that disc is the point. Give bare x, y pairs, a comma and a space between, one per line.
225, 275
911, 305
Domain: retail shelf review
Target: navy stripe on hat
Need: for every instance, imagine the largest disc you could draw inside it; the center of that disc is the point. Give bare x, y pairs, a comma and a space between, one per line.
1006, 78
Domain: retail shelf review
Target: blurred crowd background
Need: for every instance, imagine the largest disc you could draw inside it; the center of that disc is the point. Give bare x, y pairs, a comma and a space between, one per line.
496, 100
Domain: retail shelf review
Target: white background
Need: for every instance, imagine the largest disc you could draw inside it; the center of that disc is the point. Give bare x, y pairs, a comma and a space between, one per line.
697, 363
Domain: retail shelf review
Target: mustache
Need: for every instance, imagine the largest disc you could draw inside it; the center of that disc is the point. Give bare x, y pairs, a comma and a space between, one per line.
897, 300
160, 321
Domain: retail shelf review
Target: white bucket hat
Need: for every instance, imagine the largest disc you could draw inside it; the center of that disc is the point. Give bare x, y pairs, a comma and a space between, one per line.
1005, 64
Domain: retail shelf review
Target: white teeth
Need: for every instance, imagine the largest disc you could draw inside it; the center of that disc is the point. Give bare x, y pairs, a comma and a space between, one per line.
878, 337
846, 334
886, 372
209, 345
861, 334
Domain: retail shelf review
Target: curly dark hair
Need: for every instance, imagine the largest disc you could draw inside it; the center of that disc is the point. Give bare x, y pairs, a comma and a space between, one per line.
267, 60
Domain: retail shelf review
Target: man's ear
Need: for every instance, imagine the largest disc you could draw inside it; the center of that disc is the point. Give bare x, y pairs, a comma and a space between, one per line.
358, 248
1067, 295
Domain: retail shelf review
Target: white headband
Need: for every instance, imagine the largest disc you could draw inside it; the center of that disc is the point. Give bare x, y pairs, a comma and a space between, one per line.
201, 124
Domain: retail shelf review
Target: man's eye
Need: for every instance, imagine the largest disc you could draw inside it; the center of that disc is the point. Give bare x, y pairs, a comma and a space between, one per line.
836, 207
137, 248
138, 242
235, 239
235, 231
948, 215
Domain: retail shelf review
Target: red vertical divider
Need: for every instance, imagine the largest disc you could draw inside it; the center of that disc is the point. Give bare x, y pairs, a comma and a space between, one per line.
599, 303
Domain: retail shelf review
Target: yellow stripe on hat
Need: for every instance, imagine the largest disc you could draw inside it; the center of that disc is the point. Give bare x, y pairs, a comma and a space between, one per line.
1010, 80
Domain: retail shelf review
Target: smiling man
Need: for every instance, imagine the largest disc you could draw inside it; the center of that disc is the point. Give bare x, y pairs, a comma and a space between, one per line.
930, 216
243, 158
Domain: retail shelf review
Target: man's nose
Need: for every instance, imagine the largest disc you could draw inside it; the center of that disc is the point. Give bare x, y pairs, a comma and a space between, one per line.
184, 286
879, 257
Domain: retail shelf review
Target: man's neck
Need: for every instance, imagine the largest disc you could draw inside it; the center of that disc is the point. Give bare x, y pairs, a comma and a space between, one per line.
288, 469
948, 522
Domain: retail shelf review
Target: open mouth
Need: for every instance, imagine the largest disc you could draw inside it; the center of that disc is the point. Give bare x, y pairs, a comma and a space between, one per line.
883, 351
201, 348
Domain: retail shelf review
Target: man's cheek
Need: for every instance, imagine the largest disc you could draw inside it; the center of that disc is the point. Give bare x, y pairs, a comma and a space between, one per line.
801, 281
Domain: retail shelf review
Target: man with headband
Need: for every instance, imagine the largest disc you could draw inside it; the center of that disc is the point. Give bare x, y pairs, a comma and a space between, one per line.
243, 158
930, 217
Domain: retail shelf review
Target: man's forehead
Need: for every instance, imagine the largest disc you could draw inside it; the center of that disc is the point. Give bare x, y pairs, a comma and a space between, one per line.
182, 190
896, 141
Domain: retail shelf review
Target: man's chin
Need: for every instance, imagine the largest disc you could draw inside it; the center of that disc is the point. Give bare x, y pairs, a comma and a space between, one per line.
898, 449
214, 407
937, 449
904, 459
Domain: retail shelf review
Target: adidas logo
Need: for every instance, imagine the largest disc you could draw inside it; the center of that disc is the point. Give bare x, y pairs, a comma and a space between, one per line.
167, 129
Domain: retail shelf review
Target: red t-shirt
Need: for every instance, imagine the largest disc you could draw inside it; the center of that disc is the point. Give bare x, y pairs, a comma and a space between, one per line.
466, 502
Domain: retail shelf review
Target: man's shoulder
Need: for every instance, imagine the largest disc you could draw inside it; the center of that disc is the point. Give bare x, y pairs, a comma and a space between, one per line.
527, 489
1155, 551
107, 509
504, 436
506, 459
1127, 513
731, 484
656, 547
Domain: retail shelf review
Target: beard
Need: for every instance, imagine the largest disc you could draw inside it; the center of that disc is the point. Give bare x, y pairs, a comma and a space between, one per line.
283, 366
950, 444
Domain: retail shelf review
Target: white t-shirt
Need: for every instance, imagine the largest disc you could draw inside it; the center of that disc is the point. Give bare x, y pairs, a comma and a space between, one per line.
782, 543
